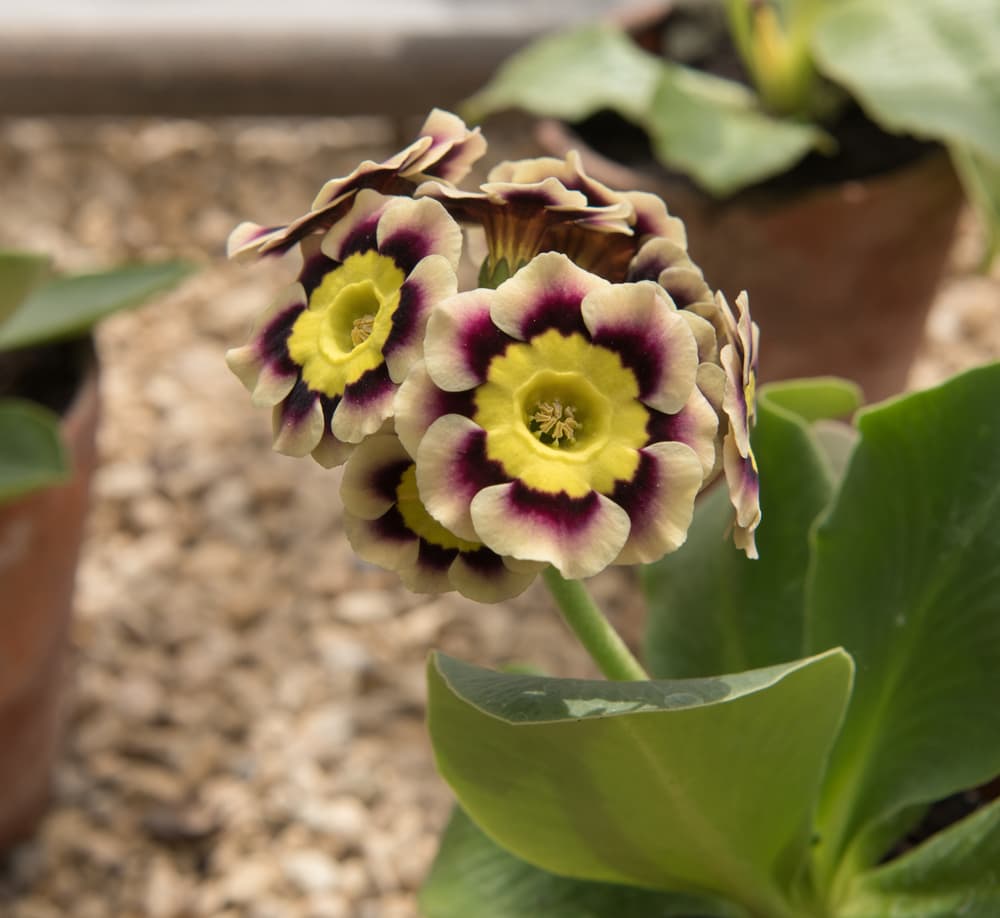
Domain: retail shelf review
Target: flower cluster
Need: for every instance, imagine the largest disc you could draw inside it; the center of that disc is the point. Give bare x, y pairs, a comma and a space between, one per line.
565, 412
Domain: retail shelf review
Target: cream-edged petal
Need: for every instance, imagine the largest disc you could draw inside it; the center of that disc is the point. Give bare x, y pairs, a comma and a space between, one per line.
577, 536
372, 476
641, 325
419, 403
364, 406
369, 172
659, 501
483, 576
461, 340
695, 425
431, 282
356, 232
452, 467
454, 148
298, 422
546, 293
744, 494
383, 541
410, 230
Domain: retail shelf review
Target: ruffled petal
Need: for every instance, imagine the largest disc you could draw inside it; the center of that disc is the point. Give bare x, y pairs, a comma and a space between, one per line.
370, 481
431, 282
546, 293
696, 425
643, 328
419, 403
485, 577
454, 149
462, 340
364, 406
356, 232
384, 541
452, 467
744, 494
297, 423
577, 536
659, 501
411, 230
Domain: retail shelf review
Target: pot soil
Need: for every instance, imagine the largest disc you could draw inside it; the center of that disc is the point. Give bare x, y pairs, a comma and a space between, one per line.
841, 256
40, 536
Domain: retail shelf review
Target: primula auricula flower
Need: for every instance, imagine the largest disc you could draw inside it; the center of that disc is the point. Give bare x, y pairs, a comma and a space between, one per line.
445, 149
551, 205
557, 418
388, 525
739, 361
332, 348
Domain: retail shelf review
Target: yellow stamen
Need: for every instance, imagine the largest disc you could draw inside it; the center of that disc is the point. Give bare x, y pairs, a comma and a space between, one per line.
362, 329
555, 421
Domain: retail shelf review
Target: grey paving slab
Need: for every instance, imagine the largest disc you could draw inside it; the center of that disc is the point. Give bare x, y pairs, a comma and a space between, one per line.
253, 57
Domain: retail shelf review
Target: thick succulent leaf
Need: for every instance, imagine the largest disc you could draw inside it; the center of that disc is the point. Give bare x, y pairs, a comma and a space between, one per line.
570, 76
703, 786
19, 272
69, 306
906, 576
954, 873
31, 450
711, 609
473, 875
926, 67
981, 178
715, 131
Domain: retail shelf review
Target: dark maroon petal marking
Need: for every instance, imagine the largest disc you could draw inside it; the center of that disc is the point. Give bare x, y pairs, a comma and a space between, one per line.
636, 497
554, 511
443, 403
371, 387
485, 563
664, 428
361, 238
272, 343
434, 556
650, 268
329, 405
390, 526
385, 479
636, 354
481, 341
412, 303
477, 470
405, 247
684, 291
558, 308
314, 269
298, 403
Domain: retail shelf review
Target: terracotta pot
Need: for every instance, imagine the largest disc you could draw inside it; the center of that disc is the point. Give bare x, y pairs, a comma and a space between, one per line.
40, 537
841, 277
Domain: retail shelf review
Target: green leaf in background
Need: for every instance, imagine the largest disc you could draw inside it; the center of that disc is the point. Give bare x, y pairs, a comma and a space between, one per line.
926, 67
19, 272
981, 179
954, 873
714, 130
570, 76
31, 450
69, 306
711, 609
906, 577
473, 876
703, 786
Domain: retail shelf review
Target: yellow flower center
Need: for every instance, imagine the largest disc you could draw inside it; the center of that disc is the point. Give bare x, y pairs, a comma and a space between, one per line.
340, 336
562, 414
419, 521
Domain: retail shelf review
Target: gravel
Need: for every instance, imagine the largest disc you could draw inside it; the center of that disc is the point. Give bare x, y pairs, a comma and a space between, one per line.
246, 730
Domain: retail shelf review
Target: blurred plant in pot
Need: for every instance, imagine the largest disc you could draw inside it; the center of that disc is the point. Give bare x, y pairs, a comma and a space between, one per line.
49, 410
791, 758
786, 136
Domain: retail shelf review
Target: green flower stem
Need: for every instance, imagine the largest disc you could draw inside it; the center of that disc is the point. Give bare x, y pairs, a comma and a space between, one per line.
588, 623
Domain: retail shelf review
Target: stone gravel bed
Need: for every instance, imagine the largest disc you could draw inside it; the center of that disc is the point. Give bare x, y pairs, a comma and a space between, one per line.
246, 732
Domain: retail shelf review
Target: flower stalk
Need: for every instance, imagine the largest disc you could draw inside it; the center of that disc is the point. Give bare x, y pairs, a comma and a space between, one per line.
587, 622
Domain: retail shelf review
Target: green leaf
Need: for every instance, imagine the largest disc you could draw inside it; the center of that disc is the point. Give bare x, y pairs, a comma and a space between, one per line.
981, 179
713, 130
711, 609
703, 786
570, 76
31, 451
70, 306
926, 67
473, 875
954, 873
19, 272
906, 578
